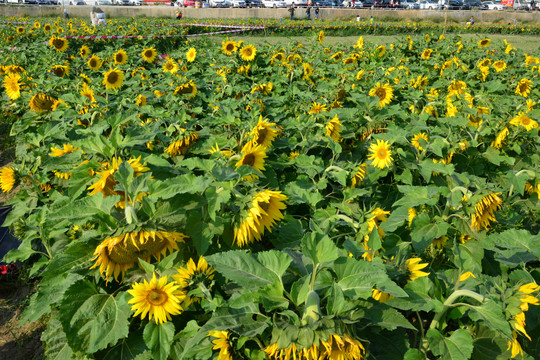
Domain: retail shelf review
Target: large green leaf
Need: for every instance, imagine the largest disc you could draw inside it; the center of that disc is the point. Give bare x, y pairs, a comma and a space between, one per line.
458, 346
417, 195
488, 345
319, 248
55, 342
425, 230
387, 317
242, 268
93, 320
514, 247
277, 261
84, 209
492, 313
159, 338
182, 184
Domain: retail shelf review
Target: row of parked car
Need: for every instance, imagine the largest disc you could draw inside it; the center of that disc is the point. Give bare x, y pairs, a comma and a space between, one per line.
397, 4
73, 2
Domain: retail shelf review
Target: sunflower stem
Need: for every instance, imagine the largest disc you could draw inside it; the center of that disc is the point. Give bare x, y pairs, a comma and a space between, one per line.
450, 302
312, 283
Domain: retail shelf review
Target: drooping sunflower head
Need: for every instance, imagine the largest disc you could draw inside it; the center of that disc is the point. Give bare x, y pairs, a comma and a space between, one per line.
120, 57
41, 102
342, 347
115, 255
417, 140
524, 87
264, 133
189, 89
157, 298
149, 55
191, 54
106, 182
195, 279
60, 70
8, 178
333, 128
384, 92
66, 149
59, 44
12, 86
264, 212
222, 342
248, 52
181, 146
87, 92
414, 268
360, 42
95, 63
484, 42
360, 175
113, 79
229, 47
84, 51
380, 154
141, 100
485, 211
321, 36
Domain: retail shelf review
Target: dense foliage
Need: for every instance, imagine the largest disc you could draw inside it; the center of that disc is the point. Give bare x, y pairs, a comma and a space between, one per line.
236, 202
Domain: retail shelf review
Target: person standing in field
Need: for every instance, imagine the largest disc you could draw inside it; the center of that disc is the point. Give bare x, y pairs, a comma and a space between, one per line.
308, 13
317, 13
291, 10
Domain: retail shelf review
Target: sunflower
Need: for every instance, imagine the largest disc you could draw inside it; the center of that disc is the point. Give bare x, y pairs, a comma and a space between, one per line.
229, 47
384, 92
189, 89
417, 137
170, 66
115, 255
113, 79
41, 102
339, 347
457, 87
499, 140
141, 100
60, 70
67, 149
149, 55
12, 86
264, 133
191, 54
426, 54
84, 51
194, 277
7, 179
47, 27
380, 154
95, 63
414, 268
524, 87
120, 57
360, 175
88, 92
106, 182
20, 30
265, 210
252, 155
60, 44
524, 121
308, 70
248, 52
321, 36
292, 352
333, 129
221, 343
484, 42
156, 298
317, 108
485, 211
180, 147
514, 346
263, 88
359, 43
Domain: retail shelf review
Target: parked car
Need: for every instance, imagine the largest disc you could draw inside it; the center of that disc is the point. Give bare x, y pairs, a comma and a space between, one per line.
492, 5
274, 3
428, 5
296, 2
410, 4
349, 4
456, 5
238, 3
473, 4
254, 3
218, 3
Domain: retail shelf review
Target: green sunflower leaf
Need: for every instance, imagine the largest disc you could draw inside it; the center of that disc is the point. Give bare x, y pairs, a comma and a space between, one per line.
458, 346
159, 338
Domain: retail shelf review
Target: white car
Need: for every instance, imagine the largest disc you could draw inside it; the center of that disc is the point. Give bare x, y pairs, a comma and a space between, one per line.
296, 2
429, 5
492, 5
238, 3
410, 4
274, 4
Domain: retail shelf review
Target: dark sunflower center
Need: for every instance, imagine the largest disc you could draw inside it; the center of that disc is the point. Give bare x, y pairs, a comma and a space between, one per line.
381, 93
248, 52
148, 53
249, 159
261, 136
58, 43
112, 78
523, 87
229, 47
93, 63
59, 72
157, 297
119, 58
264, 205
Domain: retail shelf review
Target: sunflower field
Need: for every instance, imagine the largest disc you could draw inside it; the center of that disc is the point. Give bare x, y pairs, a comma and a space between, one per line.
185, 199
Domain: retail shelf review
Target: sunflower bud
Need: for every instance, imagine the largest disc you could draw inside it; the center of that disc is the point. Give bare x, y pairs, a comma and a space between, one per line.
312, 309
131, 215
